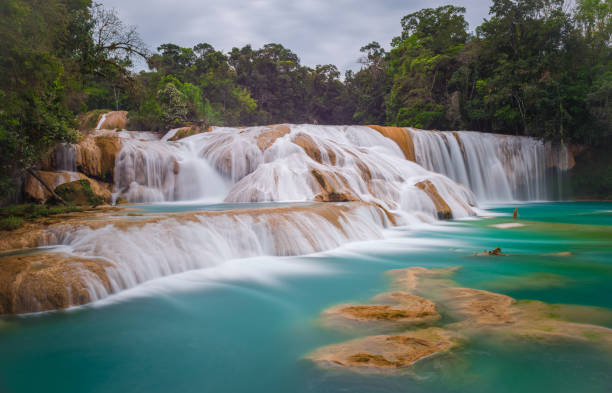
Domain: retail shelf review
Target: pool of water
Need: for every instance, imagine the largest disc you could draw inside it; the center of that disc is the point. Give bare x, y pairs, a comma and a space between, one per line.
245, 326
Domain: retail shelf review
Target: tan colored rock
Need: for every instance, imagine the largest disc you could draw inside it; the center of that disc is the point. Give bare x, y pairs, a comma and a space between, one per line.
333, 189
267, 137
37, 192
47, 281
401, 137
309, 146
390, 353
477, 311
184, 132
389, 309
114, 120
34, 190
96, 156
444, 211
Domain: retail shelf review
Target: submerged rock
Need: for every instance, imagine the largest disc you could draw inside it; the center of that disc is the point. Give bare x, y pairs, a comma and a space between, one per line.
391, 309
374, 354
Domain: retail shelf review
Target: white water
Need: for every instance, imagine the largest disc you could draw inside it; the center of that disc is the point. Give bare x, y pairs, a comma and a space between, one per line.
495, 167
259, 164
229, 165
141, 252
64, 157
101, 121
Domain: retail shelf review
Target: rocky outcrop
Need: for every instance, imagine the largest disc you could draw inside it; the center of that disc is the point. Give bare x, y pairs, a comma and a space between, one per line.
390, 310
96, 156
374, 354
184, 132
48, 281
332, 188
401, 137
84, 192
473, 311
112, 120
325, 156
444, 211
268, 136
35, 191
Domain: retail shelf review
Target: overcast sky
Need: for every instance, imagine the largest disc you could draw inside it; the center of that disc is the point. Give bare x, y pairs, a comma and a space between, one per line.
318, 31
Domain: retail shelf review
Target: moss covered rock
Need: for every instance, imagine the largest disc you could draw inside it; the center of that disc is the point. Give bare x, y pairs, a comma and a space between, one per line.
80, 192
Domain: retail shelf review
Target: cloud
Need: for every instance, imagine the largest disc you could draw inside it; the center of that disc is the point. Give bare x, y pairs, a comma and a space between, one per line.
318, 31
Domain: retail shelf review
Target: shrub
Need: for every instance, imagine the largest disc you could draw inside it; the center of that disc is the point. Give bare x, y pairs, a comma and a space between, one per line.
10, 223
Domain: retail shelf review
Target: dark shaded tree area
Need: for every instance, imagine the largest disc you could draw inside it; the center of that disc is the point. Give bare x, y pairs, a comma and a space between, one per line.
535, 67
57, 58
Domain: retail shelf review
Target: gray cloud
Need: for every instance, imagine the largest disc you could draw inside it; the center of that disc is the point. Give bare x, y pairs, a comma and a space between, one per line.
318, 31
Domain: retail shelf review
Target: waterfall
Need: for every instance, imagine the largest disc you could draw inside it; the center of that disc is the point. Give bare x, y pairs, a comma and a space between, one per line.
199, 240
284, 163
101, 121
156, 171
64, 157
495, 167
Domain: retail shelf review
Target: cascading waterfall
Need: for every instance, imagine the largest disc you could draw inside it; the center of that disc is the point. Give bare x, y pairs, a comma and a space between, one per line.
283, 163
156, 171
199, 240
64, 157
371, 168
101, 121
495, 167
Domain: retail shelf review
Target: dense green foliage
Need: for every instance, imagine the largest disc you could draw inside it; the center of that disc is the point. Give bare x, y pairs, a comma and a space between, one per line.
535, 67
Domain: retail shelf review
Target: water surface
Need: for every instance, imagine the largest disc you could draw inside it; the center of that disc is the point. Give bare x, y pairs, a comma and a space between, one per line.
245, 326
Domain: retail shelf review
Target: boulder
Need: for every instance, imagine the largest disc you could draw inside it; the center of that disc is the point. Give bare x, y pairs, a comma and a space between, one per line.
48, 281
84, 192
37, 192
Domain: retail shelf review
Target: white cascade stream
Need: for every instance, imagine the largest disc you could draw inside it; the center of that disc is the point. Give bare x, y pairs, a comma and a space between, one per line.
497, 168
291, 163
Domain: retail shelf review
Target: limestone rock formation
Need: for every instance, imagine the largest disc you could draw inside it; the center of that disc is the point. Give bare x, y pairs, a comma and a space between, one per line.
96, 156
400, 136
444, 211
48, 281
37, 192
184, 132
267, 137
391, 309
378, 353
113, 120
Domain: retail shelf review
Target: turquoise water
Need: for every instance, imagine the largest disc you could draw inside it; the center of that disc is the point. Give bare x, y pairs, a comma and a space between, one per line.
247, 328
